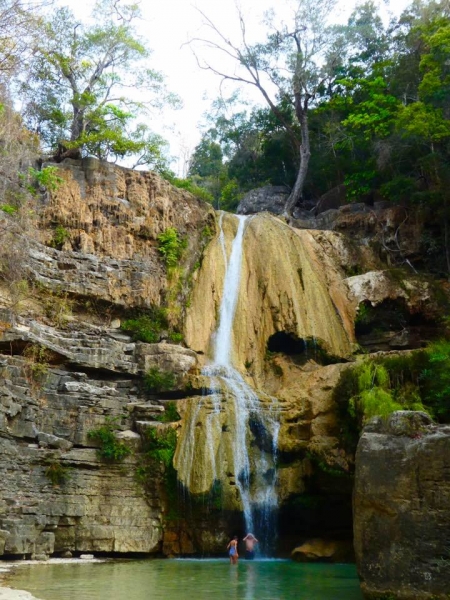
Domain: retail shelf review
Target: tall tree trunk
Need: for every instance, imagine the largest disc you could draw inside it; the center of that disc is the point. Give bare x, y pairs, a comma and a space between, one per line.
77, 124
305, 154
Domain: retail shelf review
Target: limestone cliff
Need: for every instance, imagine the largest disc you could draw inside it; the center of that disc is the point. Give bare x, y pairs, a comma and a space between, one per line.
289, 284
67, 367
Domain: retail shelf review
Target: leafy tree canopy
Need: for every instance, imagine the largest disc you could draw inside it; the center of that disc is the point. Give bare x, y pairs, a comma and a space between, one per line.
87, 85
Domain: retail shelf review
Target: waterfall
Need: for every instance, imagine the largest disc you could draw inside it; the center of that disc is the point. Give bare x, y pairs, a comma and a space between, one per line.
232, 404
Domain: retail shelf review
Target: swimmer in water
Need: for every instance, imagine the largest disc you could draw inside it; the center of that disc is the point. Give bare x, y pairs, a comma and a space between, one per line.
233, 550
250, 542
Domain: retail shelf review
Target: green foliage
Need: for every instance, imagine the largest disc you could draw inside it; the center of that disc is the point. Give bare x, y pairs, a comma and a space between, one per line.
156, 380
60, 236
171, 246
176, 337
375, 114
56, 473
160, 445
206, 233
416, 380
147, 327
380, 393
170, 413
399, 189
110, 448
77, 87
359, 184
190, 186
375, 397
435, 380
47, 177
230, 196
9, 209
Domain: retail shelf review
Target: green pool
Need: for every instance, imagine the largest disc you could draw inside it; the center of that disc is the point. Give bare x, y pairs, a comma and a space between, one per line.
190, 580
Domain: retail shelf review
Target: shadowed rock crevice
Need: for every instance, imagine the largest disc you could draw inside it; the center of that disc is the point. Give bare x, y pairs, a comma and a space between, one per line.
393, 325
300, 350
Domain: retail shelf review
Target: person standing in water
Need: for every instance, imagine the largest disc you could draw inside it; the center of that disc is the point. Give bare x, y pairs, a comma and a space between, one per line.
233, 550
250, 542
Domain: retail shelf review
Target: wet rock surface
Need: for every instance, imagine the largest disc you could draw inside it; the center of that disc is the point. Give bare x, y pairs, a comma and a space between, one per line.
402, 508
324, 551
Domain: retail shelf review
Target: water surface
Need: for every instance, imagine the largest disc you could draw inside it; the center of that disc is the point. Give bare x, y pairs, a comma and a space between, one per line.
190, 580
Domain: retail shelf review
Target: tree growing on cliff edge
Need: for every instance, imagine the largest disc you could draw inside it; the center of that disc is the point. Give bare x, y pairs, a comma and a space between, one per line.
295, 64
87, 84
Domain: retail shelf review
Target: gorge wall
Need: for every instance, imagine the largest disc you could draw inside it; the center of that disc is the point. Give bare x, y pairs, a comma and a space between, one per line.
68, 367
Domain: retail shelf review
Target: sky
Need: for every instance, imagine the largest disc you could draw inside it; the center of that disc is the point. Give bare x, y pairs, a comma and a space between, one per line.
167, 26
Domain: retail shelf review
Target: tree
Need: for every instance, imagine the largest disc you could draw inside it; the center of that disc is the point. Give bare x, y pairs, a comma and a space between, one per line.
77, 94
207, 159
293, 64
19, 26
427, 121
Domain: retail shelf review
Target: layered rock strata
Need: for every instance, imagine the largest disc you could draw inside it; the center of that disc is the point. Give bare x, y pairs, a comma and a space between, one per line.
298, 284
99, 506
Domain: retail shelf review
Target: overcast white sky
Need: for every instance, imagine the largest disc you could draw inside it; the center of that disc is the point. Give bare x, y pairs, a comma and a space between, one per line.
167, 25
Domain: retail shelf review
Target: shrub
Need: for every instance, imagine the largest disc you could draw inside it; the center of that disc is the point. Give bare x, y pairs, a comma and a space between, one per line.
9, 209
380, 387
47, 177
37, 362
159, 449
156, 380
57, 474
160, 445
375, 396
60, 236
170, 413
147, 327
176, 337
111, 449
190, 186
57, 306
171, 246
435, 380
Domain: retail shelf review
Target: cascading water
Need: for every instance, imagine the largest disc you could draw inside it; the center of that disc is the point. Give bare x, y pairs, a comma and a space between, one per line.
232, 404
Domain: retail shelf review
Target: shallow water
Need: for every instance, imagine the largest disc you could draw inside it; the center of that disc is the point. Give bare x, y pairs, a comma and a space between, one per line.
189, 579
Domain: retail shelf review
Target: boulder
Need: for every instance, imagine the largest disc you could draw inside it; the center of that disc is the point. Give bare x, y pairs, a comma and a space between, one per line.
270, 198
402, 508
324, 551
332, 199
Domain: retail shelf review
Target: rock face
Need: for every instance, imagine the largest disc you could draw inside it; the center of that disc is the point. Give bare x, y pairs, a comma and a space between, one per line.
58, 494
45, 425
112, 217
301, 292
402, 508
289, 284
270, 198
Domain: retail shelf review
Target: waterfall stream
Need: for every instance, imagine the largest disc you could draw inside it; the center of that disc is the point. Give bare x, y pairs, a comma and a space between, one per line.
232, 405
